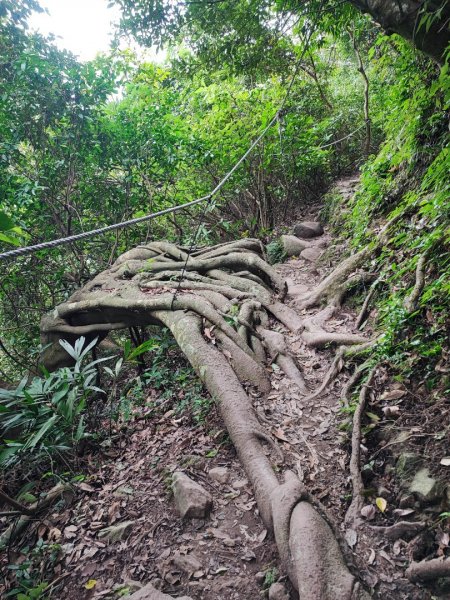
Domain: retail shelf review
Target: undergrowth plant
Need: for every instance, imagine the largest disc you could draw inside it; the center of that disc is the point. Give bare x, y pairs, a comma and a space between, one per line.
47, 416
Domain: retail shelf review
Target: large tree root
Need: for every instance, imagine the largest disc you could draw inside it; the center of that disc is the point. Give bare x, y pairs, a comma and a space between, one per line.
353, 515
216, 309
332, 289
428, 570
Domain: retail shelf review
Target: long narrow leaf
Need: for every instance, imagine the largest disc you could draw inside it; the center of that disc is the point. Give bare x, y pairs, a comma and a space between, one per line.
31, 443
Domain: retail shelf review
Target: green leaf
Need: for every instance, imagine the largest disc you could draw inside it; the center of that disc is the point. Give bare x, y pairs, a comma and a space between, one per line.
9, 240
6, 222
33, 440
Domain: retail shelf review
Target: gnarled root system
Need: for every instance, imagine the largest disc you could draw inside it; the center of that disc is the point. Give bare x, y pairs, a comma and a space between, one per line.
224, 294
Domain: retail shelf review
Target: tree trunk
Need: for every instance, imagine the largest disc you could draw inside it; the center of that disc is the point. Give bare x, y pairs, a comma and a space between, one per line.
404, 18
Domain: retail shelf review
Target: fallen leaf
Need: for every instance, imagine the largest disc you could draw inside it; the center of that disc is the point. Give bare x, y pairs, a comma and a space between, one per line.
386, 556
372, 557
381, 504
373, 416
280, 435
403, 512
86, 487
368, 512
262, 536
351, 537
208, 334
91, 584
70, 532
198, 574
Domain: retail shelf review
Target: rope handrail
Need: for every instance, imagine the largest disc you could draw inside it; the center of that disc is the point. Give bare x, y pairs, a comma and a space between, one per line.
94, 232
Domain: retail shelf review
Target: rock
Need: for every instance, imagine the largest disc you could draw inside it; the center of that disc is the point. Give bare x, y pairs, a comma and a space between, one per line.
312, 254
424, 485
260, 577
292, 246
277, 591
191, 499
308, 229
149, 592
239, 484
116, 533
219, 474
187, 563
383, 492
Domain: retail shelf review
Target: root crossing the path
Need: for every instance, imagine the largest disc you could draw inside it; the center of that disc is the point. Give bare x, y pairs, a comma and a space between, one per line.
220, 305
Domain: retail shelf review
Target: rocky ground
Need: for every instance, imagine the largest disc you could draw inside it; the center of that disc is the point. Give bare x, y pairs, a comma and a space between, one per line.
124, 528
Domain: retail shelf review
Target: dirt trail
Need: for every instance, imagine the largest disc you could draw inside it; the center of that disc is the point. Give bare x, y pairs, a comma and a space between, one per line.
230, 555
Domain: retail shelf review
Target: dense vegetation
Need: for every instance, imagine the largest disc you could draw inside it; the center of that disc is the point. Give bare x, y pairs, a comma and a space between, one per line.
84, 145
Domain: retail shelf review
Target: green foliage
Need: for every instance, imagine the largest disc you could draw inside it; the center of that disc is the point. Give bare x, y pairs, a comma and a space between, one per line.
47, 416
29, 568
76, 155
270, 577
175, 380
408, 180
275, 252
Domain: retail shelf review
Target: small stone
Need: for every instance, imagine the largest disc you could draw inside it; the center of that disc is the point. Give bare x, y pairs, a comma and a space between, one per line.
277, 591
219, 474
311, 254
260, 577
424, 485
292, 246
116, 533
308, 229
188, 563
191, 499
239, 484
149, 592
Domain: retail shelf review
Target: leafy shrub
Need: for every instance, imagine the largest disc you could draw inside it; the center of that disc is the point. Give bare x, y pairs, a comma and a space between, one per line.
47, 416
275, 252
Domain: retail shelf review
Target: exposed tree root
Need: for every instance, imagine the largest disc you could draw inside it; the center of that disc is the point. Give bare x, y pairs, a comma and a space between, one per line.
14, 530
354, 379
411, 302
276, 345
428, 570
366, 304
316, 337
353, 515
196, 305
402, 529
331, 289
343, 353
